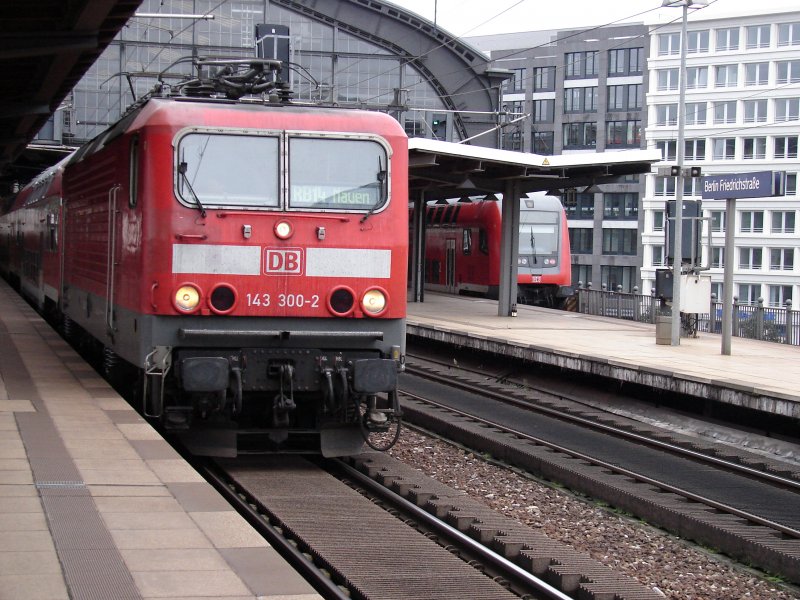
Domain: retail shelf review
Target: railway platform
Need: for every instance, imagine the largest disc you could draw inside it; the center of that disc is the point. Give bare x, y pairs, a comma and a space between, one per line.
95, 504
761, 376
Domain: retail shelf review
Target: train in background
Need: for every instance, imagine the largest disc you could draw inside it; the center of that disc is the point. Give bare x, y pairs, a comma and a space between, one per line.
462, 250
236, 256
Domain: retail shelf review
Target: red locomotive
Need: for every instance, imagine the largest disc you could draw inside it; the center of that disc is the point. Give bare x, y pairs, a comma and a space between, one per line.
462, 250
247, 257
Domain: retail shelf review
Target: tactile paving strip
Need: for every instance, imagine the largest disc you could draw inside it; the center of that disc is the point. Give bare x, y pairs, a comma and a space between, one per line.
93, 567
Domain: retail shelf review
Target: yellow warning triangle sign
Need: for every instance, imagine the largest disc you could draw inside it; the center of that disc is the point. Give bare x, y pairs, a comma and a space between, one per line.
545, 163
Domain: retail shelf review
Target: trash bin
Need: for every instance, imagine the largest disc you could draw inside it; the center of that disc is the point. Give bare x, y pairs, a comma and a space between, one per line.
664, 330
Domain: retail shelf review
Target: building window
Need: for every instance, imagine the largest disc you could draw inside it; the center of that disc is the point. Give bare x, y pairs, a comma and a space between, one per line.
757, 36
667, 79
779, 294
580, 64
786, 146
578, 206
666, 114
621, 206
515, 83
669, 44
618, 278
750, 258
692, 186
658, 220
717, 221
791, 184
725, 112
782, 221
669, 149
625, 61
751, 221
724, 148
755, 111
657, 255
620, 242
696, 78
543, 142
697, 41
624, 133
696, 113
580, 135
543, 111
787, 109
756, 73
717, 257
544, 79
788, 71
749, 293
580, 99
781, 259
694, 149
665, 186
754, 148
727, 39
625, 97
581, 240
726, 76
789, 34
512, 140
581, 274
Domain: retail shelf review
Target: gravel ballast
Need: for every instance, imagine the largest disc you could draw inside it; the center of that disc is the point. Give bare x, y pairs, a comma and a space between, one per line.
655, 558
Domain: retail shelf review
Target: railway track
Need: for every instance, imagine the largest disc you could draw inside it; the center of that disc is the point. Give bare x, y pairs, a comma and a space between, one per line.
374, 528
744, 507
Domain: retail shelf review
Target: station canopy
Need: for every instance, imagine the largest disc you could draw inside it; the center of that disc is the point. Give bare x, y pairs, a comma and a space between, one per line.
448, 170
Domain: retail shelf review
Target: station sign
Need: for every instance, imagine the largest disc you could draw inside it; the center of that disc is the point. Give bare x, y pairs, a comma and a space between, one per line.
759, 184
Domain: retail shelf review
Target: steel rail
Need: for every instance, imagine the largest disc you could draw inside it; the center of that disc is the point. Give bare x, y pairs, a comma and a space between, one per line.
321, 582
618, 470
442, 529
777, 480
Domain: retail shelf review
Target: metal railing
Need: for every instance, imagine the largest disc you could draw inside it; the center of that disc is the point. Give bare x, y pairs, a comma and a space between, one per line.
751, 321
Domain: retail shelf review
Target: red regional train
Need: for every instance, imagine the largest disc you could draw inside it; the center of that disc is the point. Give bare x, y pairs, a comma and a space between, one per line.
247, 257
462, 250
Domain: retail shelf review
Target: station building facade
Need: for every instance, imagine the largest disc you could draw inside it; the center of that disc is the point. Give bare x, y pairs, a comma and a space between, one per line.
742, 114
582, 91
602, 88
352, 53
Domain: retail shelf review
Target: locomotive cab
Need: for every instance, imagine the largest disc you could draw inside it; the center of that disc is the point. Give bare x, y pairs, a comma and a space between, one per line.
248, 259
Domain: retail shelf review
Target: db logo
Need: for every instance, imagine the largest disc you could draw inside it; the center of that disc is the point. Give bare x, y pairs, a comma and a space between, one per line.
284, 261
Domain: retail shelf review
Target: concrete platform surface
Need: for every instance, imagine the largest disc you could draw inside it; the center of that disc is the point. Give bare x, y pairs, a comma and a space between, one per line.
95, 504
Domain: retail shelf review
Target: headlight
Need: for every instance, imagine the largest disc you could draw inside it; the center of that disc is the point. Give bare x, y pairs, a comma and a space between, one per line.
522, 261
187, 298
283, 229
374, 302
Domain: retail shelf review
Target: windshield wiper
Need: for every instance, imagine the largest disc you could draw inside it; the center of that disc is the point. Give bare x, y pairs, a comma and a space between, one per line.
182, 168
381, 195
533, 246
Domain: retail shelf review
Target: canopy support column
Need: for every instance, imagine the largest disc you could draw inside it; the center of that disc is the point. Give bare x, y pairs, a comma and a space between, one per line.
509, 251
417, 250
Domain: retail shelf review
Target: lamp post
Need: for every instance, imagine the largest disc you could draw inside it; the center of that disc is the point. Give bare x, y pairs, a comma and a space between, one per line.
677, 258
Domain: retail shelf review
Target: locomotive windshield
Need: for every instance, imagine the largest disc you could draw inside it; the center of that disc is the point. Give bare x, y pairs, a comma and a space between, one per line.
229, 170
324, 173
538, 237
336, 174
